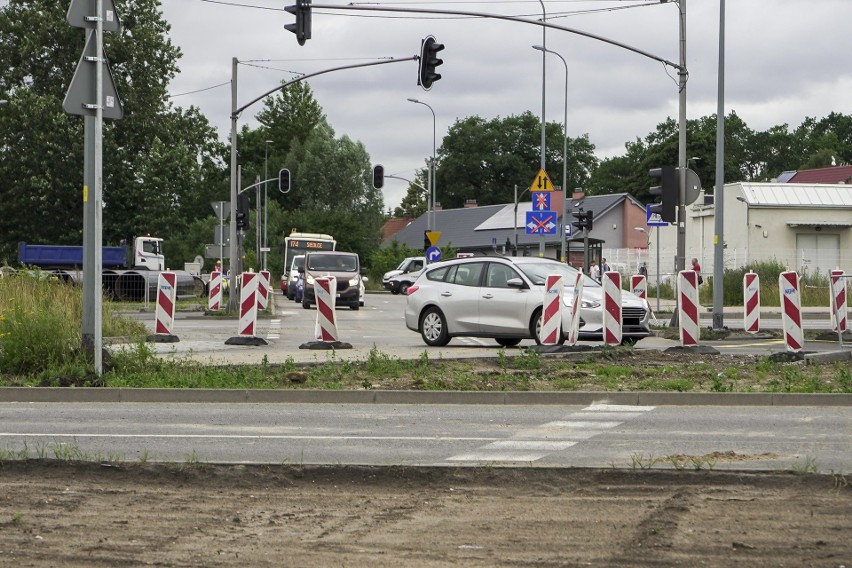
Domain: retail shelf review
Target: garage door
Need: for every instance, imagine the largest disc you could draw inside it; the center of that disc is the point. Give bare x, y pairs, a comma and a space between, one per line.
816, 252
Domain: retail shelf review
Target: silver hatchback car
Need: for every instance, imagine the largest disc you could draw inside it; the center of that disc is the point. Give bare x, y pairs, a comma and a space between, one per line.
501, 298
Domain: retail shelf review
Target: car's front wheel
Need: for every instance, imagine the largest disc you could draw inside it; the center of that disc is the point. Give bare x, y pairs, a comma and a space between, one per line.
535, 329
433, 328
403, 288
508, 341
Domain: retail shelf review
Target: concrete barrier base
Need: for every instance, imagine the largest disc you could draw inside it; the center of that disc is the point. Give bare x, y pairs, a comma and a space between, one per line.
162, 338
541, 349
701, 349
246, 340
325, 345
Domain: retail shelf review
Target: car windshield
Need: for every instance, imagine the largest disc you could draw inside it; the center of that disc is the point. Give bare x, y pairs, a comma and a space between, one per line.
299, 261
538, 272
333, 262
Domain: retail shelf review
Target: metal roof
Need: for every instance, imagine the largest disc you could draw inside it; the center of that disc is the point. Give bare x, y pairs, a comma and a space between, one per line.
797, 195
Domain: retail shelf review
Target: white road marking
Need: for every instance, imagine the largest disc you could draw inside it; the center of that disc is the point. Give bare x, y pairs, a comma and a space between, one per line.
498, 457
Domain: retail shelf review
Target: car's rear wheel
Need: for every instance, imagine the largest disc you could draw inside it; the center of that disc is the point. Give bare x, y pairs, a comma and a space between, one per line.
355, 307
433, 328
306, 304
535, 329
403, 288
508, 341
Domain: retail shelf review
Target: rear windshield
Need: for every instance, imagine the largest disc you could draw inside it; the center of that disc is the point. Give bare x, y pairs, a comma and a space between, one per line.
299, 261
333, 262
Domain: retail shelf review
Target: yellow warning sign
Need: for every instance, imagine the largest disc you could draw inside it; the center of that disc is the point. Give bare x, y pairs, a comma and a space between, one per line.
541, 182
433, 236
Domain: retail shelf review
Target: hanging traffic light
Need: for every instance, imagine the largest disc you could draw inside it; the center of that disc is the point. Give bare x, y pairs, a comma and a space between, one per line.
667, 190
378, 176
283, 180
302, 27
429, 61
242, 212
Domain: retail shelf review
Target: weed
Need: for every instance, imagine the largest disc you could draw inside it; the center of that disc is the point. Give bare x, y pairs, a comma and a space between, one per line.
502, 363
528, 359
17, 517
805, 466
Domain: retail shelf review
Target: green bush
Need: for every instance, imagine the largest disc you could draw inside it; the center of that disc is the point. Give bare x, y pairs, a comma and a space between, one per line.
813, 288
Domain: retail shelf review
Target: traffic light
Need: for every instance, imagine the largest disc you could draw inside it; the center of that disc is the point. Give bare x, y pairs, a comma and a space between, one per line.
429, 60
426, 242
378, 176
581, 220
302, 27
283, 180
242, 212
668, 190
590, 221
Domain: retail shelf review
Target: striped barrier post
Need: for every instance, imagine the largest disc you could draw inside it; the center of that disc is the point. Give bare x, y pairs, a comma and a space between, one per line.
165, 311
639, 285
551, 316
248, 304
263, 290
214, 301
325, 288
612, 308
791, 311
574, 326
687, 285
751, 302
838, 300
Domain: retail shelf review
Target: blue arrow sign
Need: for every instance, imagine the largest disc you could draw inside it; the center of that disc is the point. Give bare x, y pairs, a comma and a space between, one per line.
433, 254
541, 223
653, 219
541, 201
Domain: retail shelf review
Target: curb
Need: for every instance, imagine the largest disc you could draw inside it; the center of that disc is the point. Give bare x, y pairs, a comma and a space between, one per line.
253, 396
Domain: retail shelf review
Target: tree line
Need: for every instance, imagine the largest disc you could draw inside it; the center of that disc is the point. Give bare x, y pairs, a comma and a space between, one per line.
164, 165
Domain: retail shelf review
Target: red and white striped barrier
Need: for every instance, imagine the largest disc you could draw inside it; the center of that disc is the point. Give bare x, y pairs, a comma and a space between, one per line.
574, 319
751, 303
325, 290
639, 285
551, 315
612, 307
248, 304
263, 290
838, 300
214, 301
791, 311
166, 296
687, 285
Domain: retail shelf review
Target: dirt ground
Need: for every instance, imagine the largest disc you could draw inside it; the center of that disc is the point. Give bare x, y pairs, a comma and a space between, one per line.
60, 514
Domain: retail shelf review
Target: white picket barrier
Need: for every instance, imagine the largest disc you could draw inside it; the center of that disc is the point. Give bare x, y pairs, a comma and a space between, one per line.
687, 284
166, 296
751, 302
325, 290
791, 311
639, 285
248, 304
612, 322
214, 301
263, 290
551, 316
574, 325
839, 309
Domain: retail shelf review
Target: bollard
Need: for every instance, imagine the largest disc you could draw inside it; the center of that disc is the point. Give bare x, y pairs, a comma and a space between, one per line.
838, 300
612, 307
214, 301
751, 302
551, 315
791, 311
574, 326
165, 312
687, 284
325, 288
246, 333
639, 285
263, 290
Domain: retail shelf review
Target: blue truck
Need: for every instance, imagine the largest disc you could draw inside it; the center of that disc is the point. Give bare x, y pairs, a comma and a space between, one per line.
146, 255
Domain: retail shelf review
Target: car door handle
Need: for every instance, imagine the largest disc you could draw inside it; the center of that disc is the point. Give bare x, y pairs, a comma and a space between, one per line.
446, 294
487, 296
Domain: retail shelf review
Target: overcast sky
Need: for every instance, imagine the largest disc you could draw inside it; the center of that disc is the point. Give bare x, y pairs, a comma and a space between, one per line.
785, 60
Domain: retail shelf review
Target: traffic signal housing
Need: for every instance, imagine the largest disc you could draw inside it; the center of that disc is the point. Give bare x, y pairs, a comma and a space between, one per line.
429, 61
242, 212
668, 190
378, 176
302, 27
283, 180
426, 242
590, 221
585, 220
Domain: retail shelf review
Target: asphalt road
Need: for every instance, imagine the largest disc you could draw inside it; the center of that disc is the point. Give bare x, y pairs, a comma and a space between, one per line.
380, 324
585, 435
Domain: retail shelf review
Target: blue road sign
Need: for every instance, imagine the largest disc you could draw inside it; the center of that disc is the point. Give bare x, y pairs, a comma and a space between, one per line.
653, 219
541, 223
541, 201
433, 254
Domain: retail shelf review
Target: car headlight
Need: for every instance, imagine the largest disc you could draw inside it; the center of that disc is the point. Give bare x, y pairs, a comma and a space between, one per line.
294, 278
353, 281
310, 280
589, 304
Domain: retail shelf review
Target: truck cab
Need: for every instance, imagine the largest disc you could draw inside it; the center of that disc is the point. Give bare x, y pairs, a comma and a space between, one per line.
148, 253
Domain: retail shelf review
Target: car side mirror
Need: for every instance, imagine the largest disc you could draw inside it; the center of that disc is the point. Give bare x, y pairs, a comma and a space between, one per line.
515, 283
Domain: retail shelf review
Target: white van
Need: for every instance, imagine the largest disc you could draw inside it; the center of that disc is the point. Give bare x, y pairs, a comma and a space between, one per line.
411, 265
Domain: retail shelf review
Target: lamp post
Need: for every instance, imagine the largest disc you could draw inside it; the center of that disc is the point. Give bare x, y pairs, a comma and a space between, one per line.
265, 199
432, 173
562, 238
648, 244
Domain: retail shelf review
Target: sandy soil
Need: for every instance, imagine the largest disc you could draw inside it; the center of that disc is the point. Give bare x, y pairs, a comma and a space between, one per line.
58, 514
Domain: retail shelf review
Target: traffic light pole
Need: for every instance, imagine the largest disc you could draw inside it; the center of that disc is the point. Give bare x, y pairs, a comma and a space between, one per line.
681, 161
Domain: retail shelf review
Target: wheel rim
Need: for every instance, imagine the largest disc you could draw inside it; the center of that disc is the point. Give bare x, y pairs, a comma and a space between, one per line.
432, 326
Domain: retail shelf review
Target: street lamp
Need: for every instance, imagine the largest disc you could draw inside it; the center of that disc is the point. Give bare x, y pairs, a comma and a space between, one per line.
562, 238
648, 244
265, 199
432, 172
